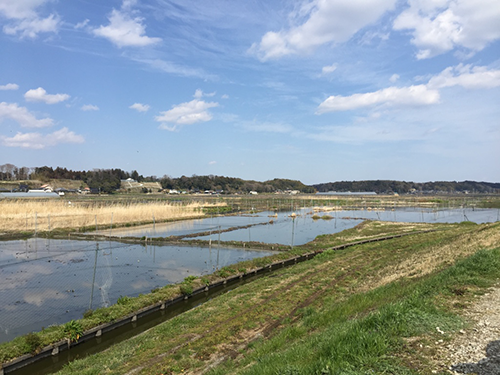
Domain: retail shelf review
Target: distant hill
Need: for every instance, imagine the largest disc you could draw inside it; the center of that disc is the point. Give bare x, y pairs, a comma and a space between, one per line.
403, 187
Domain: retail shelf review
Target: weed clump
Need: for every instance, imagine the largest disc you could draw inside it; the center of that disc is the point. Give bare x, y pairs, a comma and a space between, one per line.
33, 342
73, 330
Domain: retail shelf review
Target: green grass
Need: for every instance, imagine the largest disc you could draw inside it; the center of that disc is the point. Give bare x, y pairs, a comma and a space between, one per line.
364, 333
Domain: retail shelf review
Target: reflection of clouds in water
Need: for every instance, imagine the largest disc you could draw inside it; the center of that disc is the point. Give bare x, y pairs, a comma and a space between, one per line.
171, 271
38, 298
140, 285
163, 230
23, 274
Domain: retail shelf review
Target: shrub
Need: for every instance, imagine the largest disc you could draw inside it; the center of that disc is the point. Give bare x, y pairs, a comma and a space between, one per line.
186, 289
73, 330
123, 300
33, 342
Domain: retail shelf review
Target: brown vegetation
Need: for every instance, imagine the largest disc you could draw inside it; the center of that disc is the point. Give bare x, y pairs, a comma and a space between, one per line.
28, 215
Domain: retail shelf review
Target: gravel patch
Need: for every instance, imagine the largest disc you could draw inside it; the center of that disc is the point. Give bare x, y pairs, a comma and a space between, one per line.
477, 349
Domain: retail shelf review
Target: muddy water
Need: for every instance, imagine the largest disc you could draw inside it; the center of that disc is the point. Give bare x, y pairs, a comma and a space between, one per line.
44, 281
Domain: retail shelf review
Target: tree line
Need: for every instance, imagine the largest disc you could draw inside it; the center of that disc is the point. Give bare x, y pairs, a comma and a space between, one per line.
231, 185
404, 187
109, 180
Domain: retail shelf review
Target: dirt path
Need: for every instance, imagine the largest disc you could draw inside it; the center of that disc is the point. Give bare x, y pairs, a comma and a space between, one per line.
475, 350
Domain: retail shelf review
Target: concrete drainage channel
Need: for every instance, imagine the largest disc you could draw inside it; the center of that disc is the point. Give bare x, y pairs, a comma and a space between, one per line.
52, 358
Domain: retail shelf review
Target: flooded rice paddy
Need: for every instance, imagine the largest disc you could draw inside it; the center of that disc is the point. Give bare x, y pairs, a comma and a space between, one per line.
271, 227
48, 281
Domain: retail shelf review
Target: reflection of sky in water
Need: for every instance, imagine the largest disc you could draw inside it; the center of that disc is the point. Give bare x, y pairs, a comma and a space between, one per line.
45, 282
187, 226
305, 229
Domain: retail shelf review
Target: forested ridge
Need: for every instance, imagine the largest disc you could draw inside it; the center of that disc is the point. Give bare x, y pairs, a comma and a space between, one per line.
109, 181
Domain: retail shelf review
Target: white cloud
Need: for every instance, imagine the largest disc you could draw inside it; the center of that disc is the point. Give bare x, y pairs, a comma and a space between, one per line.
40, 141
225, 96
200, 94
89, 107
40, 95
394, 96
9, 86
213, 162
140, 107
394, 78
25, 20
440, 26
22, 116
329, 69
186, 114
327, 22
469, 77
124, 30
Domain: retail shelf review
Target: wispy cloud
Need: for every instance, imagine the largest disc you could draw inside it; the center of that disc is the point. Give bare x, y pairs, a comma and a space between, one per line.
89, 107
22, 116
40, 95
329, 69
266, 127
200, 94
176, 69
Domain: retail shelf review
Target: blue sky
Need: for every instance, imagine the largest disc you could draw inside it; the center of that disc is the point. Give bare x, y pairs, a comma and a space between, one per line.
319, 91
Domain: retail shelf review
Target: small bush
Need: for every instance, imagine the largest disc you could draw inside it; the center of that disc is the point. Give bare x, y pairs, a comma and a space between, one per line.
186, 289
33, 342
88, 313
123, 300
73, 330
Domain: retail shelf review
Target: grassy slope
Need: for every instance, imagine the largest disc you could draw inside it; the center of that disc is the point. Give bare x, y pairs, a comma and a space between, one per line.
343, 312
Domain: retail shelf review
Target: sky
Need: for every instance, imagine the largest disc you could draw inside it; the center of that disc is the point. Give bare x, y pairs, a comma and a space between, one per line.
310, 90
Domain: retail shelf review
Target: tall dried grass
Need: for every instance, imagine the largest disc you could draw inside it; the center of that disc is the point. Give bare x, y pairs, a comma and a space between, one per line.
29, 215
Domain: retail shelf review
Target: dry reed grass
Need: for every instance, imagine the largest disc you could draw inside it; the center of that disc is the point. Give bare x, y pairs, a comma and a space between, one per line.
24, 215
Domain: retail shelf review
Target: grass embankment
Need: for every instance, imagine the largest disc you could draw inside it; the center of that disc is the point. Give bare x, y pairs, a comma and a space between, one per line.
49, 215
371, 308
